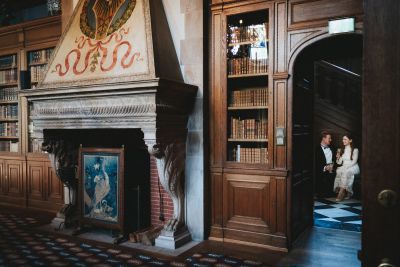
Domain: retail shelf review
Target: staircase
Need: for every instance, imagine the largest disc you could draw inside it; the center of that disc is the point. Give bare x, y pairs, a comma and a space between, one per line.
337, 100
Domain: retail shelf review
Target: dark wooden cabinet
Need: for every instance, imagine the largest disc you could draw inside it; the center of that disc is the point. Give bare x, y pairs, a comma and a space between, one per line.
30, 182
248, 195
13, 181
264, 203
27, 180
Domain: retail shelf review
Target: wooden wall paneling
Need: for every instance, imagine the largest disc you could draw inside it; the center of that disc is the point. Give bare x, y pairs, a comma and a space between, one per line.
49, 30
23, 114
280, 120
314, 13
247, 204
3, 181
14, 175
11, 40
216, 69
281, 205
36, 183
216, 205
55, 189
280, 53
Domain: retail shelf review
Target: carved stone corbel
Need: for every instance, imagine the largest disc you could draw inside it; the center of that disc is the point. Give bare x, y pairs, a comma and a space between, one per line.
63, 158
170, 160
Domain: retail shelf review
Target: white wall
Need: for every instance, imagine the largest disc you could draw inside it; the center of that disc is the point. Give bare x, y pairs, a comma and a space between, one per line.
185, 18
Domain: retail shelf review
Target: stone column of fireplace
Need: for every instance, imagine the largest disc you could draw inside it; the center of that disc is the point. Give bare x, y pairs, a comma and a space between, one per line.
62, 157
170, 157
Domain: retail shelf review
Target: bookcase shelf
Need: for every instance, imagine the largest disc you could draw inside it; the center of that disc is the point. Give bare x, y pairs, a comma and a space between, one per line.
232, 76
8, 68
37, 62
244, 43
248, 108
247, 88
9, 103
9, 137
247, 140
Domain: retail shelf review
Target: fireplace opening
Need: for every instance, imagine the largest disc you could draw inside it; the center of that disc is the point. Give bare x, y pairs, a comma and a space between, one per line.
136, 211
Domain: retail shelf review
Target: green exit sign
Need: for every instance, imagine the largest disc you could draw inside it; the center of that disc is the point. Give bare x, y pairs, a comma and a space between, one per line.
342, 25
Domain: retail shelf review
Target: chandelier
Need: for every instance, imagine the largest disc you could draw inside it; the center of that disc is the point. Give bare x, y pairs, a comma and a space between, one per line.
54, 7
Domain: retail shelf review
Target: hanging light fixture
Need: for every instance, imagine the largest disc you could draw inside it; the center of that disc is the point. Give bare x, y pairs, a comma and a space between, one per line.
54, 7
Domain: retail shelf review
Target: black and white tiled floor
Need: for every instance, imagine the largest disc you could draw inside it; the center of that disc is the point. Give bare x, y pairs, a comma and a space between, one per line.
344, 215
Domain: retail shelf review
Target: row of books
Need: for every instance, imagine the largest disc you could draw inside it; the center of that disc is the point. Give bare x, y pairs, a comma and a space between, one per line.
40, 56
250, 154
9, 146
9, 112
252, 33
8, 76
9, 94
249, 128
249, 97
9, 129
246, 65
8, 61
37, 72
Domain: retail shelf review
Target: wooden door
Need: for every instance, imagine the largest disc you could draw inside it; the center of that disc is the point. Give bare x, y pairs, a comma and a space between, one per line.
381, 133
302, 149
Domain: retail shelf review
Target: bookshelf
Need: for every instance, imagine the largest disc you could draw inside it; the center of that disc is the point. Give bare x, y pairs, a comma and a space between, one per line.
9, 103
247, 87
242, 108
37, 63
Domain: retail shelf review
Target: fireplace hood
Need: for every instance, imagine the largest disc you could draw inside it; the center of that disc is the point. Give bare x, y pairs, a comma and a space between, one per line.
116, 67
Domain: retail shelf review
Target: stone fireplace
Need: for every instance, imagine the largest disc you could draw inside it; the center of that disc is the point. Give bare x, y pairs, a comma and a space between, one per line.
126, 79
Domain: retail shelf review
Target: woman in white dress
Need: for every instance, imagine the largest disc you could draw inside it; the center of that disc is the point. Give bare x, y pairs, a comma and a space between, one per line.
347, 157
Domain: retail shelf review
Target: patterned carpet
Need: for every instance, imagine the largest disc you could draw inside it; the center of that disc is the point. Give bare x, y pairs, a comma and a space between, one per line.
21, 245
344, 215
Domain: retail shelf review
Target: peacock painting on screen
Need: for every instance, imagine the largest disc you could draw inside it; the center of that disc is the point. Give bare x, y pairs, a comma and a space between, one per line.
101, 183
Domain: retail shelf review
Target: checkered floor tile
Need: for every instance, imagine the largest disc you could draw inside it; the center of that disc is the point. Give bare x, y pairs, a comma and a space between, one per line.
345, 215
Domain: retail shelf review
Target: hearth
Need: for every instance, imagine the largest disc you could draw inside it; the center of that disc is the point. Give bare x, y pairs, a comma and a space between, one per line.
136, 186
134, 82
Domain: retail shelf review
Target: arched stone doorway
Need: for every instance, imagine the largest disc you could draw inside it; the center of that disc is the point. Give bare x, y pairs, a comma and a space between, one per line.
324, 94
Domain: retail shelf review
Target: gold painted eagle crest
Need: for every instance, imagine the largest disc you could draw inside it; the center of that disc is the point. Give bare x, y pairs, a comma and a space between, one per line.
101, 18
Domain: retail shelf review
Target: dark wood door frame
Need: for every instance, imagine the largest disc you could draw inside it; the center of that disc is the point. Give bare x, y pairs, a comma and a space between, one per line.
381, 131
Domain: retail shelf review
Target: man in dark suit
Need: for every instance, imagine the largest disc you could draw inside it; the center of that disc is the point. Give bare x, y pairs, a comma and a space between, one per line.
324, 166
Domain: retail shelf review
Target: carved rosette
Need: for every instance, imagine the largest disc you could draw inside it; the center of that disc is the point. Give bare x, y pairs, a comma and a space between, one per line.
170, 159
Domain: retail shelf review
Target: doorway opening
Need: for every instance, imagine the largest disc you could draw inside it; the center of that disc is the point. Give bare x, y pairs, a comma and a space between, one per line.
326, 98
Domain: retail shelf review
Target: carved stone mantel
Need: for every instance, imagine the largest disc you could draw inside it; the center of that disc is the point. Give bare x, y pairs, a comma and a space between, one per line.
160, 108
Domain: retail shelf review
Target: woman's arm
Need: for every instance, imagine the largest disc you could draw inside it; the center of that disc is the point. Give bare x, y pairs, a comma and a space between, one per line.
355, 158
339, 159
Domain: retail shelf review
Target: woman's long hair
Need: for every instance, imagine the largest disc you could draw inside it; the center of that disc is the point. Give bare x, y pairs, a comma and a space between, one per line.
350, 136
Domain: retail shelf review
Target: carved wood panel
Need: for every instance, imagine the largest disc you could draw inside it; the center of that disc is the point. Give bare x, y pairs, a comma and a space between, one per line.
280, 27
306, 13
3, 181
15, 178
280, 120
55, 189
247, 202
36, 180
